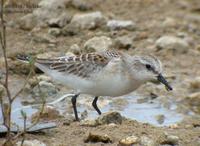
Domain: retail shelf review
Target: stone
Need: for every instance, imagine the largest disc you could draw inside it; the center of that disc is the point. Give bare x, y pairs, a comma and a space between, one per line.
60, 21
49, 113
70, 30
194, 99
44, 78
123, 42
88, 20
75, 49
31, 143
110, 117
44, 89
195, 83
146, 141
82, 5
121, 24
97, 137
27, 22
129, 141
54, 32
170, 139
172, 43
89, 123
160, 118
54, 4
169, 22
46, 39
98, 44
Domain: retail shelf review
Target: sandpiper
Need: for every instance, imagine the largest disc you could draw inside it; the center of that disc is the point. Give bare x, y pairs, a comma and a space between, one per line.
108, 73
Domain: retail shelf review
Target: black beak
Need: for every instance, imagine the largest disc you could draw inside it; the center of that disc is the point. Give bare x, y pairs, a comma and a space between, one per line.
164, 81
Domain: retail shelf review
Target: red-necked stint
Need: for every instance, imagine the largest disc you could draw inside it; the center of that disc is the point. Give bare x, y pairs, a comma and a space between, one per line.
108, 73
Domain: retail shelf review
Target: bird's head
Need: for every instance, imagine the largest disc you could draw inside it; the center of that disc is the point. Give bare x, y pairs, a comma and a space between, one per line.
148, 68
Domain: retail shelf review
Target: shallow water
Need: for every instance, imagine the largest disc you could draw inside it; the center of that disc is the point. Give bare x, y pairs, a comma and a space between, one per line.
143, 112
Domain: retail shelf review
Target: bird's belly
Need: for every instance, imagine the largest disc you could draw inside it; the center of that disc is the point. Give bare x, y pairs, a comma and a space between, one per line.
110, 86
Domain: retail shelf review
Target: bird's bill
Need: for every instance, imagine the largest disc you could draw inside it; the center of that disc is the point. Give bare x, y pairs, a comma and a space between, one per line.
164, 81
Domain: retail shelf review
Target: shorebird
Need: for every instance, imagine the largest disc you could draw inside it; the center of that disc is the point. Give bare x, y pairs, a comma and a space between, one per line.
108, 73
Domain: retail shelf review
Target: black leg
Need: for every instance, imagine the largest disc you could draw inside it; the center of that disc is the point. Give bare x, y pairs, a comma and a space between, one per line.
74, 106
94, 104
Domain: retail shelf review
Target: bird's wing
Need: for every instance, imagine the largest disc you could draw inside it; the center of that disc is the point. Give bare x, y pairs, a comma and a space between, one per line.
83, 66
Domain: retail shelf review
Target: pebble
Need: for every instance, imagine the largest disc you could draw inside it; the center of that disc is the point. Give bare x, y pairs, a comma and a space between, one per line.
123, 42
174, 126
121, 24
44, 89
71, 29
75, 49
82, 5
27, 22
172, 43
194, 99
129, 141
31, 143
89, 123
54, 4
146, 141
97, 137
160, 118
43, 39
49, 113
88, 20
170, 139
44, 78
98, 44
195, 83
110, 117
54, 32
60, 21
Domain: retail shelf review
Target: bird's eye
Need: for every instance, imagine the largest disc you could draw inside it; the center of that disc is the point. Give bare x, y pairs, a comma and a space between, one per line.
148, 66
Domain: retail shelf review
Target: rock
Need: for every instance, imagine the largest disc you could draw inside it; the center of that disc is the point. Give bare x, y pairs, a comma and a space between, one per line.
129, 141
54, 4
60, 21
89, 123
110, 117
31, 143
160, 118
169, 22
98, 44
44, 89
75, 49
54, 32
172, 43
44, 15
98, 137
27, 22
146, 141
43, 39
88, 20
82, 5
170, 139
194, 99
174, 126
195, 83
70, 30
121, 24
49, 113
44, 78
123, 42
